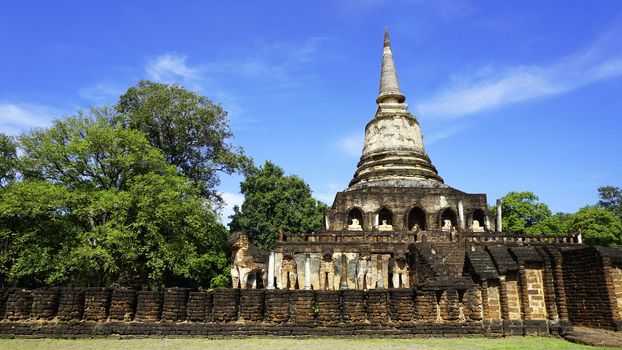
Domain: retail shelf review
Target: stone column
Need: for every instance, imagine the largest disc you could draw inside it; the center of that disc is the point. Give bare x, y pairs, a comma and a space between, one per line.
307, 272
343, 281
461, 222
499, 216
271, 271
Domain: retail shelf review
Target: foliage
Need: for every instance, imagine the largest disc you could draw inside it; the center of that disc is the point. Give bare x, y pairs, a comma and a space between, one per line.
552, 225
84, 151
597, 225
611, 199
8, 157
521, 211
98, 205
273, 202
189, 129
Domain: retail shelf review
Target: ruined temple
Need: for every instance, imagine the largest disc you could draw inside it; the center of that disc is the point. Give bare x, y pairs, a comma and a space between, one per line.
383, 223
400, 253
395, 199
398, 226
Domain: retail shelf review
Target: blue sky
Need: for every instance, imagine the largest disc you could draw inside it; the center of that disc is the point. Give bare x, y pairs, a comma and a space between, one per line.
510, 95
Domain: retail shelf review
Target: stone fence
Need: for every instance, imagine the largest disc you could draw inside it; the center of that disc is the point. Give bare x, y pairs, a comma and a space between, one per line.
433, 235
349, 236
86, 312
506, 237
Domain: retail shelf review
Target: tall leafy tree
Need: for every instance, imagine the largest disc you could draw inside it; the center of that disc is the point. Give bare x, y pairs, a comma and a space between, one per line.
8, 157
611, 199
521, 210
273, 202
557, 224
36, 229
597, 225
98, 205
191, 131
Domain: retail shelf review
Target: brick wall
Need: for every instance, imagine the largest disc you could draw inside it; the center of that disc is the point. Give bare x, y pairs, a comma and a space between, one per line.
325, 308
122, 305
70, 304
616, 277
230, 312
516, 291
535, 294
199, 308
586, 289
44, 303
149, 306
512, 293
494, 301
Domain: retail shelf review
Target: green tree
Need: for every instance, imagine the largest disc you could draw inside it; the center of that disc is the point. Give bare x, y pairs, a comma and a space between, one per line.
611, 199
35, 230
85, 151
597, 225
188, 128
552, 225
98, 205
521, 210
273, 201
8, 157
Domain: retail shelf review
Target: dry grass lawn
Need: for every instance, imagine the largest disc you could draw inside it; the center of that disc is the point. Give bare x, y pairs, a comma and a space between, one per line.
522, 343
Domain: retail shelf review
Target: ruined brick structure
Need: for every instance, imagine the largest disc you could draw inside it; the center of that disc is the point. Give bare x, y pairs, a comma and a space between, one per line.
401, 253
398, 226
515, 288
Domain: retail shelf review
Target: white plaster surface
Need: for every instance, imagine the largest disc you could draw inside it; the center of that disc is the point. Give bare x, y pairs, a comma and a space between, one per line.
400, 132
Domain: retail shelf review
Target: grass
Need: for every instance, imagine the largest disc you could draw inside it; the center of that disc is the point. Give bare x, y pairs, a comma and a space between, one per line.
522, 343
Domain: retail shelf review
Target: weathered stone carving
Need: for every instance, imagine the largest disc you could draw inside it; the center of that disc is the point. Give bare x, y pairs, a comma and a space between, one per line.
363, 270
289, 273
355, 226
327, 269
447, 227
384, 226
476, 227
248, 263
398, 266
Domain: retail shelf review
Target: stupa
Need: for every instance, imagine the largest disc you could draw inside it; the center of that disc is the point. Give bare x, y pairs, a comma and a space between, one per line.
395, 199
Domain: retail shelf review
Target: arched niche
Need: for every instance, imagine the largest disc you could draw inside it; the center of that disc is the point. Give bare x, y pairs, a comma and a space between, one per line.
448, 214
385, 214
480, 216
355, 213
416, 216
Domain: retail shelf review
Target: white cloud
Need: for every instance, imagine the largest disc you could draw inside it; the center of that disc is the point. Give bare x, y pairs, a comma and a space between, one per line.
442, 134
272, 63
171, 67
231, 200
16, 118
101, 92
351, 145
492, 86
268, 66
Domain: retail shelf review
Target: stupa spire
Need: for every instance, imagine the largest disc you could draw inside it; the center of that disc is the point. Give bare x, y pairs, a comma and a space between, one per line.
393, 153
390, 92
